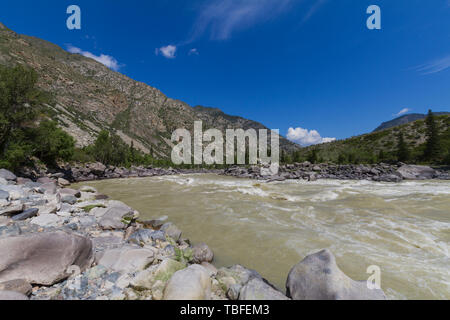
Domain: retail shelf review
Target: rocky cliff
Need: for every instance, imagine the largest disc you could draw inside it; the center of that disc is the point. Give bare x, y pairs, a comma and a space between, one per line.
90, 97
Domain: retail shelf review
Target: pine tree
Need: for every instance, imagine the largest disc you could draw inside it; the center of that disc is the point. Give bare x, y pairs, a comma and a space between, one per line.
402, 149
432, 150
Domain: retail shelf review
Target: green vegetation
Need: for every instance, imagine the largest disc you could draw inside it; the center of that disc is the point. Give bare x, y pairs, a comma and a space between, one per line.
21, 108
423, 142
402, 149
93, 206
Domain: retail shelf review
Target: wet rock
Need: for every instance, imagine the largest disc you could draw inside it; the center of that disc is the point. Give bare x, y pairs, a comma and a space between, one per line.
318, 277
388, 178
29, 213
257, 289
127, 259
18, 285
202, 253
410, 172
43, 258
7, 175
192, 283
12, 295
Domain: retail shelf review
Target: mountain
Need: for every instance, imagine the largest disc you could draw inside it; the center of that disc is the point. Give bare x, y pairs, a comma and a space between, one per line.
90, 97
366, 148
407, 118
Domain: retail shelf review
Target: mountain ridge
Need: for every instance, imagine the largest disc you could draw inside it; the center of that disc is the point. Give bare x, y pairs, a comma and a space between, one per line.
407, 118
91, 97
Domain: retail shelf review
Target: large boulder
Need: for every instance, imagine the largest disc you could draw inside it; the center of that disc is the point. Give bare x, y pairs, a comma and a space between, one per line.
410, 172
127, 259
43, 258
11, 296
7, 175
192, 283
258, 289
318, 277
117, 217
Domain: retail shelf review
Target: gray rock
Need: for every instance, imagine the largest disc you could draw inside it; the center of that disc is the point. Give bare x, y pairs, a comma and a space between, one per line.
46, 220
18, 285
202, 253
142, 237
388, 178
192, 283
71, 192
49, 188
117, 217
12, 209
4, 195
63, 182
29, 213
43, 258
171, 231
69, 199
410, 172
127, 259
257, 289
45, 180
11, 295
7, 175
22, 181
318, 277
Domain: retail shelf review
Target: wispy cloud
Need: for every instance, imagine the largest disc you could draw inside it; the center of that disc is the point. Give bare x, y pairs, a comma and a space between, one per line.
402, 112
167, 51
221, 18
317, 4
194, 52
434, 66
306, 137
107, 60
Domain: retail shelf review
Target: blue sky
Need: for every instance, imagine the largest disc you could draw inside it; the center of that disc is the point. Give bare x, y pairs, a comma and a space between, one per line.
299, 64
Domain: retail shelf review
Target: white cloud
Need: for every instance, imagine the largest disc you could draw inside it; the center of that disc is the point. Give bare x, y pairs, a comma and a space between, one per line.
167, 51
108, 61
193, 52
306, 137
434, 66
221, 18
403, 111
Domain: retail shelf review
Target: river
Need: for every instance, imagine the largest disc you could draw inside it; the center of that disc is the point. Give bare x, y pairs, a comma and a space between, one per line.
403, 228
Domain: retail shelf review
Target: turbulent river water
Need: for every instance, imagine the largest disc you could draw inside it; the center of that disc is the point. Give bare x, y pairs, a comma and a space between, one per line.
403, 228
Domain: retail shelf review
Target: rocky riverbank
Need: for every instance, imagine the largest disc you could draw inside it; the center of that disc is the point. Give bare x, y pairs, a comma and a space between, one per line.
312, 172
76, 244
305, 171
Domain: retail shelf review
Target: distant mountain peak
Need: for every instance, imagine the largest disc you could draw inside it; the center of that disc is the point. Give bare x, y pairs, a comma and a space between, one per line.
407, 118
